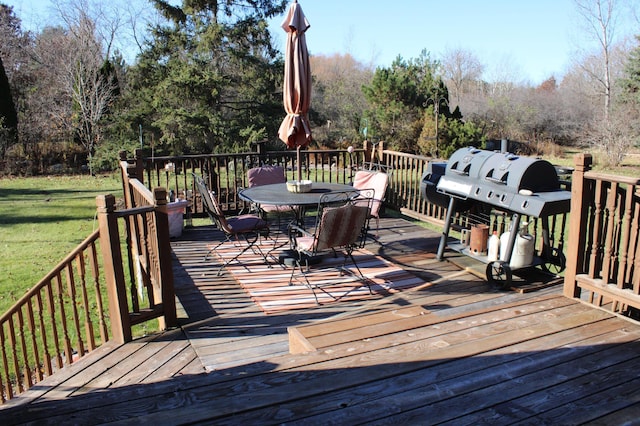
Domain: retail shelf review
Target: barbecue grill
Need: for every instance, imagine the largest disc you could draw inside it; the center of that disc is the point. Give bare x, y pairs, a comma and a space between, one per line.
521, 186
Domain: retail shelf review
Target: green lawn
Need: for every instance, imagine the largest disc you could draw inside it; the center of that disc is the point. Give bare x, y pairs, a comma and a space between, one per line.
41, 220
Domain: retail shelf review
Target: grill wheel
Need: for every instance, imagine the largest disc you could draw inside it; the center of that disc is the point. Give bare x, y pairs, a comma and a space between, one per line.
556, 262
499, 273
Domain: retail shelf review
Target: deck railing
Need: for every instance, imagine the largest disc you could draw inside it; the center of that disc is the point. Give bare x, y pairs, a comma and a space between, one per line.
139, 272
63, 317
225, 174
603, 265
58, 321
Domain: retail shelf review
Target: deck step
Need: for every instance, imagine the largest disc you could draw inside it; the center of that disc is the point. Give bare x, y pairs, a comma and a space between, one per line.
316, 336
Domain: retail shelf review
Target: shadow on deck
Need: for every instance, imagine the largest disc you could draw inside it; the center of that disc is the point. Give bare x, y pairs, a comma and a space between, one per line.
467, 353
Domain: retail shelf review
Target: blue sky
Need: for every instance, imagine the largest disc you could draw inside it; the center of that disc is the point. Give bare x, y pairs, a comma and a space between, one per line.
531, 37
525, 40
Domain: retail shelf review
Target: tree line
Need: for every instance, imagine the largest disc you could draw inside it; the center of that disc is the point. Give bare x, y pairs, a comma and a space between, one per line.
208, 79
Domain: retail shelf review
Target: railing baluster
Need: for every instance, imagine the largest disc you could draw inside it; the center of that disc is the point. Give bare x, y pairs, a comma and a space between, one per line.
88, 323
624, 257
95, 267
26, 370
46, 362
63, 320
71, 287
37, 371
54, 325
634, 268
597, 221
609, 231
14, 354
6, 384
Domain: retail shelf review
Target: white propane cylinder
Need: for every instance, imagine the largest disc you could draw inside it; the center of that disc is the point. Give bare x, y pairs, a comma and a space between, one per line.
493, 247
523, 249
504, 243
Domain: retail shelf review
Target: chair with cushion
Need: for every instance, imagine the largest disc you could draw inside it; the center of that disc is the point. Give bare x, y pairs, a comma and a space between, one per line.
378, 181
267, 175
341, 225
244, 230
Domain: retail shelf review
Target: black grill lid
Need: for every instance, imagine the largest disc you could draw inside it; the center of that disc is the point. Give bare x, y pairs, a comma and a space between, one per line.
508, 181
502, 169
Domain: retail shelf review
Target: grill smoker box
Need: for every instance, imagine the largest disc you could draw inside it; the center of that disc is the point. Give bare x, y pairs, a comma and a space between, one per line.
504, 181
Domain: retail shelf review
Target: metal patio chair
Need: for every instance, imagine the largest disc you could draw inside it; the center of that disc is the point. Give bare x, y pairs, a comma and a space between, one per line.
267, 175
378, 182
341, 225
244, 230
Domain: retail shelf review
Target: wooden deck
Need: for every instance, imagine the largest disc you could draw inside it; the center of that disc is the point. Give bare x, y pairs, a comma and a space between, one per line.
452, 350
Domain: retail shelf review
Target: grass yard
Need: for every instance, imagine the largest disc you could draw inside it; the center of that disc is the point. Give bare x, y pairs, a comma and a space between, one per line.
41, 220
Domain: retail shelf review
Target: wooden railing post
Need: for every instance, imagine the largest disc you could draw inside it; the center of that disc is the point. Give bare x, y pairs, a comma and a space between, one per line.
113, 271
138, 166
578, 223
368, 149
165, 278
380, 151
130, 171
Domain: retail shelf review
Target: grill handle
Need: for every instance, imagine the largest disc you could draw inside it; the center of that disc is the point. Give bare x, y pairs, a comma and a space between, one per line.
495, 180
460, 172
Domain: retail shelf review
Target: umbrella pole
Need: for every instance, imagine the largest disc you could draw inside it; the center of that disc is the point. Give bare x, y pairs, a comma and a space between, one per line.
299, 164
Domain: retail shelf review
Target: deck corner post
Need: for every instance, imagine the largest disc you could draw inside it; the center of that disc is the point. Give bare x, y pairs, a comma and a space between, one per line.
165, 279
577, 225
368, 148
138, 166
113, 270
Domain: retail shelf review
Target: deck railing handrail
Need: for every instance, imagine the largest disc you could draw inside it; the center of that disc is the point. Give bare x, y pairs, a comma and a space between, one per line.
604, 240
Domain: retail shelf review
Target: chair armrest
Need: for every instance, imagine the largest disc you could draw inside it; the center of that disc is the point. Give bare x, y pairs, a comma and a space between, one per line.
295, 228
294, 232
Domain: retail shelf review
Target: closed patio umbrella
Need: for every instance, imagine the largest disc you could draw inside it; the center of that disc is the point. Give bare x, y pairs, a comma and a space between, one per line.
295, 129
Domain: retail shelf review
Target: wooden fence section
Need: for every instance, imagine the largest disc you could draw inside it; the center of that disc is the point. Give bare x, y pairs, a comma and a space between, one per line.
604, 249
58, 321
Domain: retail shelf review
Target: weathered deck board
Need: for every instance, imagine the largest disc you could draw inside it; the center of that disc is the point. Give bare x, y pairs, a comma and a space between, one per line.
478, 355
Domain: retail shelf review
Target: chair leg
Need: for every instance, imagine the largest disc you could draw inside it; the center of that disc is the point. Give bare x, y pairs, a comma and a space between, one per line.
360, 275
298, 265
249, 242
211, 250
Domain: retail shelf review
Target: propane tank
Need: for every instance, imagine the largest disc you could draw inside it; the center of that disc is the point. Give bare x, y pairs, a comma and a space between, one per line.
504, 243
493, 247
523, 249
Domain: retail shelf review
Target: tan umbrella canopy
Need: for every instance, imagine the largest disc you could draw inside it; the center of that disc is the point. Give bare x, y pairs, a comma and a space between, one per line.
295, 129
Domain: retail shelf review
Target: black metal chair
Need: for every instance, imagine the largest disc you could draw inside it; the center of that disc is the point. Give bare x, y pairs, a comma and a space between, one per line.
341, 225
245, 230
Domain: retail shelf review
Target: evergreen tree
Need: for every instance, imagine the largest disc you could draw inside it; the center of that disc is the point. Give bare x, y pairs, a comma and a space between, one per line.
630, 83
8, 114
398, 97
209, 79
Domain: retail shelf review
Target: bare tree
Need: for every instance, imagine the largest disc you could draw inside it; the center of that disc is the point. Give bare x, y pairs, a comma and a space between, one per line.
461, 69
611, 130
85, 88
337, 96
599, 18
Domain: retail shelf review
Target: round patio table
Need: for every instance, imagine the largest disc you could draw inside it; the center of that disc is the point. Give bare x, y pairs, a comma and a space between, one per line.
277, 194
